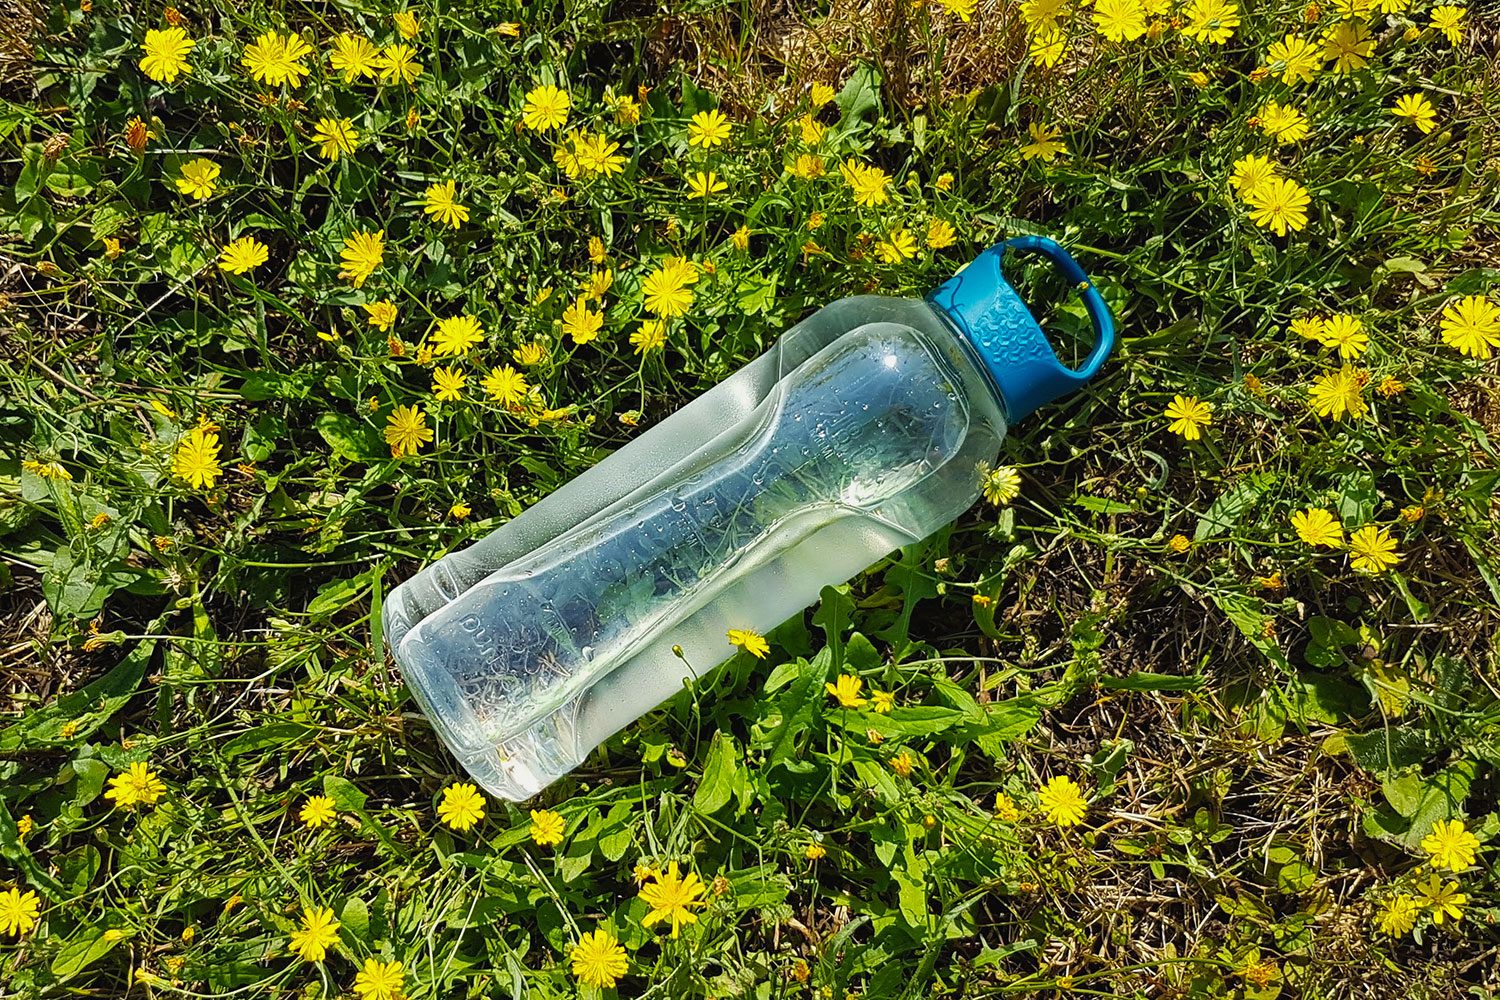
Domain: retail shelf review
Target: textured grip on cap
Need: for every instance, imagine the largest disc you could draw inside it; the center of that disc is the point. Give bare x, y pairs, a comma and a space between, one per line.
1006, 336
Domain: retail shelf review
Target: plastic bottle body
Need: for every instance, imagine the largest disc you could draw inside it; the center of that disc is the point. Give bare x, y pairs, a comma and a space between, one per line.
858, 432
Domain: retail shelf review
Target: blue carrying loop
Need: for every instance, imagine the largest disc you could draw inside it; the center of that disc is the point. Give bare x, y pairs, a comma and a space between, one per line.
1015, 353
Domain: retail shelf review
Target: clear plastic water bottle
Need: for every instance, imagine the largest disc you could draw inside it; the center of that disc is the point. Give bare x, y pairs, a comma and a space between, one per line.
859, 431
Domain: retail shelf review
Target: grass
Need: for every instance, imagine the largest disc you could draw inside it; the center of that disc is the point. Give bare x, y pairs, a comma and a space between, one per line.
1265, 735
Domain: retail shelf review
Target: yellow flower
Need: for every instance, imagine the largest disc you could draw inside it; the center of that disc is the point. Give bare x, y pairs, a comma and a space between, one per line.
1005, 807
1044, 144
1310, 327
961, 9
335, 137
672, 897
1417, 108
740, 238
137, 135
362, 254
597, 252
47, 470
1047, 46
1199, 79
547, 827
381, 315
627, 110
243, 255
545, 107
903, 763
1316, 527
18, 911
1041, 12
441, 202
462, 807
580, 322
459, 510
277, 59
596, 154
599, 282
882, 702
378, 980
25, 824
1471, 326
1450, 845
1188, 416
317, 811
355, 56
455, 335
666, 292
940, 234
708, 129
530, 353
999, 485
1297, 59
1120, 20
1337, 393
196, 460
1280, 205
164, 54
1250, 174
1347, 334
1179, 544
598, 959
1449, 20
750, 641
701, 185
846, 690
198, 178
506, 386
1062, 801
1398, 915
1443, 900
1211, 21
319, 930
398, 64
651, 335
820, 94
898, 246
807, 166
1348, 46
1284, 123
1372, 550
448, 384
137, 785
868, 183
814, 851
406, 431
406, 23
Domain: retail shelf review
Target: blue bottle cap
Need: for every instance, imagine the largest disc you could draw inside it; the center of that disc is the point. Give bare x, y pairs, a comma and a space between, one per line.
1007, 338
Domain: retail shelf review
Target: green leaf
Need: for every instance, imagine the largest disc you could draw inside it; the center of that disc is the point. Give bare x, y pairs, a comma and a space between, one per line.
347, 437
355, 918
1143, 681
796, 708
1102, 505
861, 95
1232, 505
345, 794
722, 775
84, 951
91, 706
1387, 749
1403, 792
272, 734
